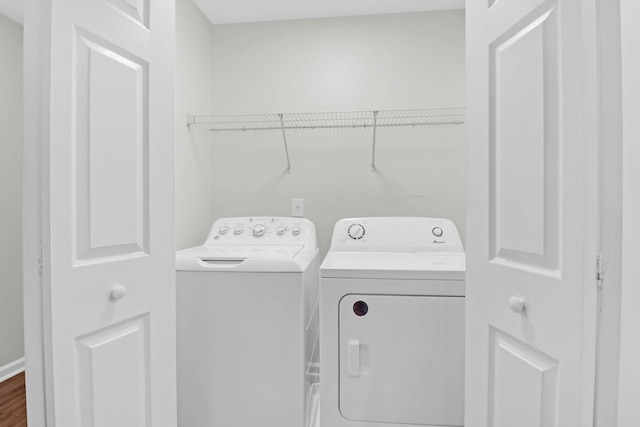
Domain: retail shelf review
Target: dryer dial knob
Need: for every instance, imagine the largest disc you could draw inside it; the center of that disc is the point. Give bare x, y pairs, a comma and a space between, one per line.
224, 229
281, 230
238, 230
259, 230
356, 231
437, 231
295, 230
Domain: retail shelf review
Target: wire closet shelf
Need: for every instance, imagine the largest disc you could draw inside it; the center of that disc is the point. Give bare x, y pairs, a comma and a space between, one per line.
330, 120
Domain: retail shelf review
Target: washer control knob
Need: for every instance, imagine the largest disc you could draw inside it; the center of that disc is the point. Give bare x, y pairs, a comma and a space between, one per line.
238, 230
259, 230
437, 231
295, 230
356, 231
281, 230
224, 229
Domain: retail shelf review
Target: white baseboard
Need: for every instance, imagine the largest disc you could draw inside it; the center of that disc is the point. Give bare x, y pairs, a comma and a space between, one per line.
11, 369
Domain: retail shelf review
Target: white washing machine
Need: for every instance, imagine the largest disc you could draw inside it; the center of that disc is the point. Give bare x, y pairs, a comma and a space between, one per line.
392, 324
247, 324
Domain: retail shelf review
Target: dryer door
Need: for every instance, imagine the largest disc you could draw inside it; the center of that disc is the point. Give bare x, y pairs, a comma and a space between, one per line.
402, 359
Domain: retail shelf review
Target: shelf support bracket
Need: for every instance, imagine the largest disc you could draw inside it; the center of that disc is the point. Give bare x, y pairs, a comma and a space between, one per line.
373, 150
284, 138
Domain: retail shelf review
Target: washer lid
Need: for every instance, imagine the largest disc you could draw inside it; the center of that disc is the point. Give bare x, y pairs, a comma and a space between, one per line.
394, 265
251, 251
255, 258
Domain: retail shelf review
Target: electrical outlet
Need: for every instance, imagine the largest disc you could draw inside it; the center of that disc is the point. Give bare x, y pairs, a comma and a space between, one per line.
297, 208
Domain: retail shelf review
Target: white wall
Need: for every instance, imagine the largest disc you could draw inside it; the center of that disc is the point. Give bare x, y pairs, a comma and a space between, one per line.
11, 329
193, 82
382, 62
629, 392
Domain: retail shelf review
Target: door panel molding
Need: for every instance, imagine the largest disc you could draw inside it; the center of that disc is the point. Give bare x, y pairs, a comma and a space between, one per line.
525, 144
137, 10
523, 385
111, 147
113, 371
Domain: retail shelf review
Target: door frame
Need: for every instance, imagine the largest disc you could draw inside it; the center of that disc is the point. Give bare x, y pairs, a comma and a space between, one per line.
609, 130
629, 373
36, 269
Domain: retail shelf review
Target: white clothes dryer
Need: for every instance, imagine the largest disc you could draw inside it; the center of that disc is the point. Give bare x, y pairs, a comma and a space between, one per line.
247, 324
392, 324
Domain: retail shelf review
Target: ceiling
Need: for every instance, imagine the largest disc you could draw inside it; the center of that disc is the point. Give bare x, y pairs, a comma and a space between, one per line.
236, 11
12, 9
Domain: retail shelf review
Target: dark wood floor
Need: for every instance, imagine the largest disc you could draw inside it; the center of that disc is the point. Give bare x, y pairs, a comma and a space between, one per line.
13, 403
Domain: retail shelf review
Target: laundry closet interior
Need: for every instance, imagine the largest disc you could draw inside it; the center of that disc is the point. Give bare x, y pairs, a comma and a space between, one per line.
359, 116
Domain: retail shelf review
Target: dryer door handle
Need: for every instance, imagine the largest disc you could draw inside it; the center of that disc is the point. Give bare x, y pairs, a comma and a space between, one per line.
353, 358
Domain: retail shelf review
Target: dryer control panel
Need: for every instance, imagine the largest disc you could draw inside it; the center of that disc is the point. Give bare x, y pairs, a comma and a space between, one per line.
262, 231
396, 234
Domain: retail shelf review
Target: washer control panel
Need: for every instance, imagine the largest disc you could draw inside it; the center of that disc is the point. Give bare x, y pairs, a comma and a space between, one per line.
396, 234
261, 230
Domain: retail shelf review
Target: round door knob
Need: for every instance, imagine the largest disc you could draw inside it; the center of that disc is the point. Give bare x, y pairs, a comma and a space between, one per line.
295, 230
117, 293
259, 230
516, 304
238, 230
223, 230
281, 230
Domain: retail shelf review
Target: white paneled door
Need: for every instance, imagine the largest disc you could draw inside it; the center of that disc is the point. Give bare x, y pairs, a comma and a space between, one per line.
100, 91
532, 214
